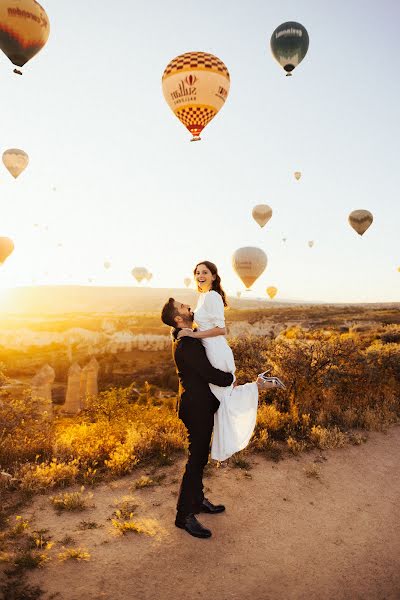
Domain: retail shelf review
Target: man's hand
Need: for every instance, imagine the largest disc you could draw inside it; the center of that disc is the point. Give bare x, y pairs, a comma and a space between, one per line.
186, 332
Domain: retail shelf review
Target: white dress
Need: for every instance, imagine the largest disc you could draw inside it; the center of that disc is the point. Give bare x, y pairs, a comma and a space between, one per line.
235, 419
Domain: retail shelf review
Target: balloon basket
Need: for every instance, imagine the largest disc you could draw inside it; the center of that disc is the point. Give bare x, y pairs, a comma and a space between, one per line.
195, 138
17, 71
288, 74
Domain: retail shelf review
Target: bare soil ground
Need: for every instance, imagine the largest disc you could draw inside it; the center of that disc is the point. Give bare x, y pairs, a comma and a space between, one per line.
284, 535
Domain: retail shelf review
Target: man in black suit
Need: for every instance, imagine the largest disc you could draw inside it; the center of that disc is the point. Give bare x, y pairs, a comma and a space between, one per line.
196, 407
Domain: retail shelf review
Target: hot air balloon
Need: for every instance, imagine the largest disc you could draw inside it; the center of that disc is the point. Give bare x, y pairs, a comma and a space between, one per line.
24, 30
398, 269
6, 248
15, 161
311, 243
283, 239
187, 281
195, 86
249, 263
289, 45
107, 264
272, 291
238, 294
139, 273
297, 175
262, 214
360, 220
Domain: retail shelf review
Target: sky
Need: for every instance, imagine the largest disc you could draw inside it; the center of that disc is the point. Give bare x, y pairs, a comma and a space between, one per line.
113, 175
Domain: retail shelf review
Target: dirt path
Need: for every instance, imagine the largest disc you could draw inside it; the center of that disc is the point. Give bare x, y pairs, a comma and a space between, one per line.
283, 536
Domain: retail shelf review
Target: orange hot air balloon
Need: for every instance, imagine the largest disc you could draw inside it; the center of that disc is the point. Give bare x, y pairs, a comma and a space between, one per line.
15, 161
139, 273
195, 86
272, 291
262, 214
24, 30
360, 220
249, 263
6, 248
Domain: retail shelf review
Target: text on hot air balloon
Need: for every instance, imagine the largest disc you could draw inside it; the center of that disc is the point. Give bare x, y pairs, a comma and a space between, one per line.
185, 92
222, 93
17, 12
290, 31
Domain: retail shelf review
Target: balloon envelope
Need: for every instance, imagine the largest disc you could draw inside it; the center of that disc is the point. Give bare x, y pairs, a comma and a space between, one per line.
24, 29
272, 291
139, 273
297, 175
360, 220
262, 214
289, 45
107, 264
195, 86
311, 243
15, 161
249, 263
187, 281
6, 248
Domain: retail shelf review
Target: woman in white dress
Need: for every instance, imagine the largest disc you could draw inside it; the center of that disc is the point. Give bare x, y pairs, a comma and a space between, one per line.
235, 419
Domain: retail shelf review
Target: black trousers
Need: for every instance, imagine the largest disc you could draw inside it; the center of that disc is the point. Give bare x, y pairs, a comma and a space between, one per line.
199, 426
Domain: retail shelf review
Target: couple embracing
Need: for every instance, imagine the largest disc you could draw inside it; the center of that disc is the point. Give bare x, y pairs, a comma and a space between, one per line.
209, 398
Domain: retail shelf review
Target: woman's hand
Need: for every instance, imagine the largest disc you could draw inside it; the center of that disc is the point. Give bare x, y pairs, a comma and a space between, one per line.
186, 332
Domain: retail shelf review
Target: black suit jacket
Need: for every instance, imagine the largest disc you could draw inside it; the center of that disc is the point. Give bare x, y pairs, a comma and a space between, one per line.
195, 372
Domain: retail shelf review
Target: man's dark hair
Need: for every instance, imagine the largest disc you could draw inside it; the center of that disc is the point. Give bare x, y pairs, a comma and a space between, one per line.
169, 313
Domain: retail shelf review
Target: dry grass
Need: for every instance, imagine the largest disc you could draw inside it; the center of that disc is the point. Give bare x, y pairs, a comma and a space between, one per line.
295, 446
144, 481
240, 461
313, 471
72, 501
126, 508
42, 476
74, 554
336, 381
327, 438
22, 549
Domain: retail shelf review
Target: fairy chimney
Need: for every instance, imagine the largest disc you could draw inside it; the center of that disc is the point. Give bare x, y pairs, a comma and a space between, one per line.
72, 401
92, 374
41, 389
83, 385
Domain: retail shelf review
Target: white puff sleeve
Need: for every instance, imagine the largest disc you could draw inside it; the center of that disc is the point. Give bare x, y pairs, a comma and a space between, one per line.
214, 307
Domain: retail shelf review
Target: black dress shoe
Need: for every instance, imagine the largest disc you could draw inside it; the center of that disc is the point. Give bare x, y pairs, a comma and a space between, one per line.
192, 526
208, 507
